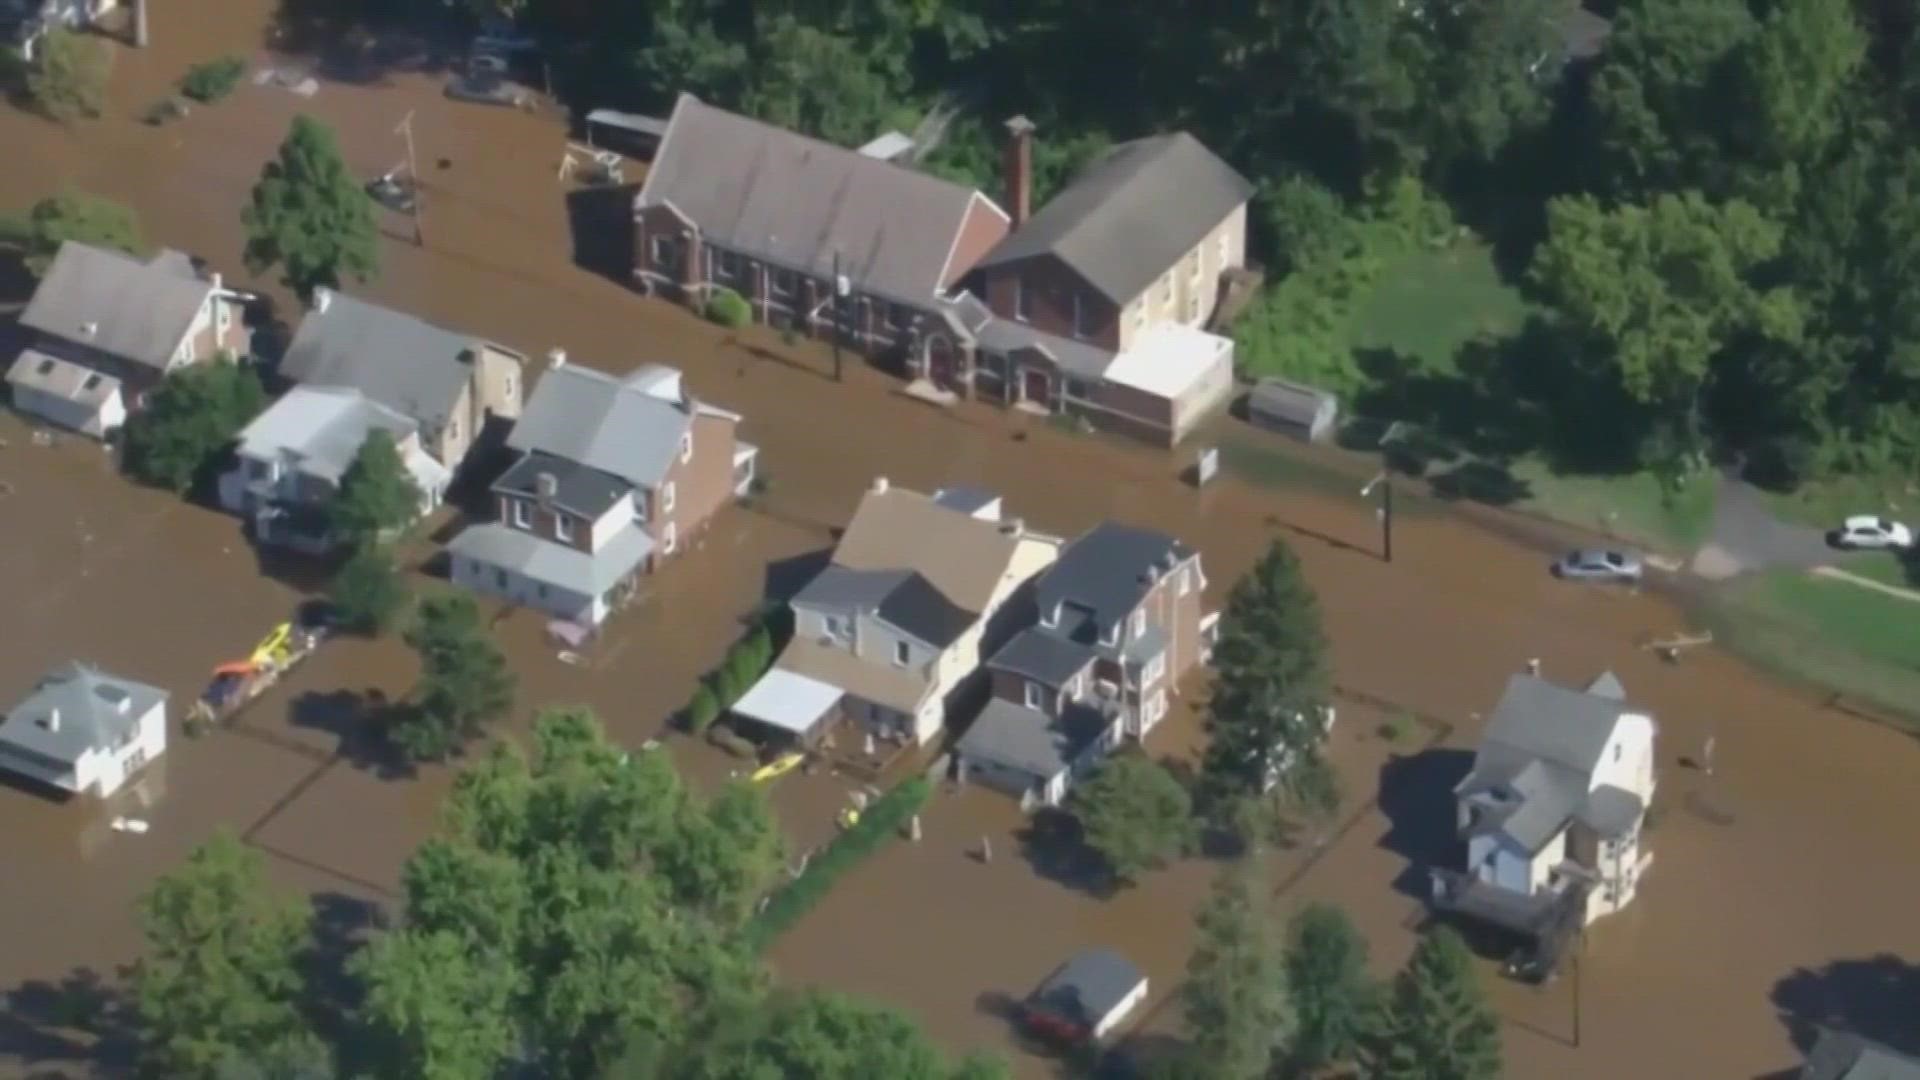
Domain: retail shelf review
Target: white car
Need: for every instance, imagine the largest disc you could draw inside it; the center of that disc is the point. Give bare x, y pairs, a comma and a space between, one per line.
1867, 531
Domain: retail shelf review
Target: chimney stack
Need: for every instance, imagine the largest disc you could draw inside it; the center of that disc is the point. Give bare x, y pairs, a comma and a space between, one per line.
322, 298
547, 486
89, 329
556, 359
879, 485
1017, 170
1014, 527
219, 283
52, 722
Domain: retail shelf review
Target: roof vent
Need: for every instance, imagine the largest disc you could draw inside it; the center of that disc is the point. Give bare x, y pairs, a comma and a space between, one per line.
546, 485
879, 485
1013, 527
89, 329
556, 359
51, 721
322, 299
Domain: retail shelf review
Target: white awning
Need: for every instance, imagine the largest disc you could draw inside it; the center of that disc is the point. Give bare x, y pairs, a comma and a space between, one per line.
788, 701
1169, 359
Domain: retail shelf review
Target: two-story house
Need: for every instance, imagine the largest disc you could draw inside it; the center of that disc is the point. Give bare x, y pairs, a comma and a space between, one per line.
613, 475
105, 328
1097, 305
83, 731
773, 215
292, 458
451, 385
891, 633
1118, 620
1554, 810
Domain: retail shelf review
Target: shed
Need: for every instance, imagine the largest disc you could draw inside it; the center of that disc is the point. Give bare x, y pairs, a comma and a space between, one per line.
1293, 408
790, 705
1086, 997
623, 130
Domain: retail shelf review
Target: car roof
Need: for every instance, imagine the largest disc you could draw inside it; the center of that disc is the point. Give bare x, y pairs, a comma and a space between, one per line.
1866, 521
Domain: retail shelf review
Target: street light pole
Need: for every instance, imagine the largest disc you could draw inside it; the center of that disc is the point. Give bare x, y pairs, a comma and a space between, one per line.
1385, 482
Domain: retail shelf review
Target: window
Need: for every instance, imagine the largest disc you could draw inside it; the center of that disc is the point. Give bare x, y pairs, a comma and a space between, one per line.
1020, 309
836, 627
1033, 694
670, 540
225, 318
500, 578
666, 498
1078, 388
1079, 685
1193, 266
1166, 288
453, 429
1617, 748
540, 591
186, 350
686, 447
1137, 313
1111, 636
728, 262
1082, 316
1139, 622
1186, 580
902, 653
521, 518
663, 253
1226, 249
780, 281
1156, 667
562, 528
509, 388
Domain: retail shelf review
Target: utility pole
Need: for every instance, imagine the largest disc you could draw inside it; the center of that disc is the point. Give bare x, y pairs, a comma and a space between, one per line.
140, 23
1385, 482
405, 130
838, 292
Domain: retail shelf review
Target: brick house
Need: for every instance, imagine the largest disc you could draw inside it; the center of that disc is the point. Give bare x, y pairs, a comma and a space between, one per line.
1118, 621
732, 202
1097, 305
105, 328
614, 476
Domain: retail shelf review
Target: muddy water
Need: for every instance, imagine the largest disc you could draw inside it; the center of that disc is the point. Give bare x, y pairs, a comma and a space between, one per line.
1795, 857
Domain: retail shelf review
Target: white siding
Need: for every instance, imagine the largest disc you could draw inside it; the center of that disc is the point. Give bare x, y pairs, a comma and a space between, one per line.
519, 589
616, 518
71, 414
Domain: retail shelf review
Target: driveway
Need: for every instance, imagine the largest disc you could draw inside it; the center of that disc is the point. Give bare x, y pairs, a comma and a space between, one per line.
1747, 535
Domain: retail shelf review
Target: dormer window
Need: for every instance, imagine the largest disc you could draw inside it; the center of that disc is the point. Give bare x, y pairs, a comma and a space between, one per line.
563, 528
521, 518
902, 653
1033, 694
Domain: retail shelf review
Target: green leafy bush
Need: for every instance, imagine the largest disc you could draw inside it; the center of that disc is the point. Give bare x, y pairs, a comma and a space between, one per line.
702, 710
881, 822
213, 80
729, 309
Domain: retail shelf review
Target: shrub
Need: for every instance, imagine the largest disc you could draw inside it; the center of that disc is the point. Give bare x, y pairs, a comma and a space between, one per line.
702, 710
729, 309
1395, 727
759, 649
725, 683
213, 80
731, 741
69, 80
881, 822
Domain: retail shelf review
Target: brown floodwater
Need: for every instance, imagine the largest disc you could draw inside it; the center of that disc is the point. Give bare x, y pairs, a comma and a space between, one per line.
1781, 877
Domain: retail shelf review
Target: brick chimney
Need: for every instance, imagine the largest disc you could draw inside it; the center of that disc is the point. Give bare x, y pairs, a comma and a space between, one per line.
1017, 170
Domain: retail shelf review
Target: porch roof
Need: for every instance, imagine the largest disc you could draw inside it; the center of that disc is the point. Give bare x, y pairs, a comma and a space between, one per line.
1169, 359
789, 701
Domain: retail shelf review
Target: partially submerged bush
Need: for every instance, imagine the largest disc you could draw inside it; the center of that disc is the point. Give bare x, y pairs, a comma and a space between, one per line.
729, 309
213, 80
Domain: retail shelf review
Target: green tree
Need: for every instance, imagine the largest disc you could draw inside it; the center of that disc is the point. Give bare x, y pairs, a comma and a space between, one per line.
220, 979
819, 1036
378, 498
68, 79
725, 854
1663, 290
194, 414
1271, 683
77, 216
308, 215
1134, 814
301, 1056
1437, 1024
369, 590
1483, 81
1236, 995
1332, 996
436, 1008
464, 679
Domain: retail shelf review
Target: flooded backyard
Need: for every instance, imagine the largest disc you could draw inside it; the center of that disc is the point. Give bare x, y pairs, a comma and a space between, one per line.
1778, 881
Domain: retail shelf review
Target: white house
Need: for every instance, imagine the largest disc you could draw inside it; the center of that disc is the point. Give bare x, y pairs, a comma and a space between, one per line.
1557, 800
84, 731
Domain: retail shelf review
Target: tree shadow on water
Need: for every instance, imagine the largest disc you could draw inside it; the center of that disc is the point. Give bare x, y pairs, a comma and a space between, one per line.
82, 1020
341, 925
1055, 847
359, 719
1416, 795
1876, 997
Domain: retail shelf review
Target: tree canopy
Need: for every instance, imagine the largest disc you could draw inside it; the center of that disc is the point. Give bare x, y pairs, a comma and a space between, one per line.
1235, 996
190, 418
308, 215
72, 215
1134, 814
68, 77
1332, 996
377, 498
1437, 1024
464, 679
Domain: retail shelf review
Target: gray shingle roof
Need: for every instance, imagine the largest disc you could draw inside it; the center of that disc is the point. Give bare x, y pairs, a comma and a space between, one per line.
1089, 986
1537, 759
579, 489
1080, 359
1016, 737
1104, 572
555, 564
918, 608
60, 378
604, 423
1843, 1055
139, 311
793, 201
1555, 723
849, 590
405, 363
1049, 659
95, 710
321, 427
1131, 215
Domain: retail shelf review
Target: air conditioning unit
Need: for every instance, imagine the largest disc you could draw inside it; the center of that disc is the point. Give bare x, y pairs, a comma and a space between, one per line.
1106, 688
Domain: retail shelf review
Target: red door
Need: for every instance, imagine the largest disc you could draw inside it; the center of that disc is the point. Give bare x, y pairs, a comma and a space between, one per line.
1039, 388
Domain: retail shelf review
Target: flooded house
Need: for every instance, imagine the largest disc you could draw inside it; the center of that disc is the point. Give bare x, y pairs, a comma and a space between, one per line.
613, 476
451, 385
83, 731
890, 635
104, 328
292, 458
1117, 621
1554, 811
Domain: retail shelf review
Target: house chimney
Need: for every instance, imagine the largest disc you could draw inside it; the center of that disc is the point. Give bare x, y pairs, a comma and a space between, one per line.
219, 283
322, 298
1017, 170
556, 359
89, 329
879, 485
52, 722
1014, 527
547, 486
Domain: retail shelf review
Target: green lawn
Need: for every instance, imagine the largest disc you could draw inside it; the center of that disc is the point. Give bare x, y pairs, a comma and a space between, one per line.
1826, 503
1881, 566
1632, 507
1430, 303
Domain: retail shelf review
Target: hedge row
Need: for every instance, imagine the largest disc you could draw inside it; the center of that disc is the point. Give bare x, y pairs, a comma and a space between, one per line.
879, 823
749, 659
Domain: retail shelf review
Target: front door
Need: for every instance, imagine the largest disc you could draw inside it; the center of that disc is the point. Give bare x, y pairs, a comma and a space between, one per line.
1038, 388
940, 363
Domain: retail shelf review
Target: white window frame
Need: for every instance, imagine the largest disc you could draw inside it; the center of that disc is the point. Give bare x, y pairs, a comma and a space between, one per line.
781, 282
666, 498
1139, 623
1032, 695
1156, 667
1226, 249
669, 538
1111, 636
1050, 617
1078, 389
1166, 288
836, 627
453, 428
522, 517
562, 528
1137, 313
686, 447
223, 317
512, 388
661, 244
902, 654
726, 262
1020, 309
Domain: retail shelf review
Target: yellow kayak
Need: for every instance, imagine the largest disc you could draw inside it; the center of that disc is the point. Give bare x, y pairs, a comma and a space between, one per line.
777, 768
273, 649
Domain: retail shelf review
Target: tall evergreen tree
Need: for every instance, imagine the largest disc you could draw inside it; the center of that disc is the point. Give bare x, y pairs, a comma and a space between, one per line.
1271, 682
1236, 995
1437, 1024
378, 497
309, 216
464, 678
1333, 998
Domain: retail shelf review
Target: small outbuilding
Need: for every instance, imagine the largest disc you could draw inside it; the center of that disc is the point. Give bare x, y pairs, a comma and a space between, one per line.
1293, 408
789, 706
1086, 998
